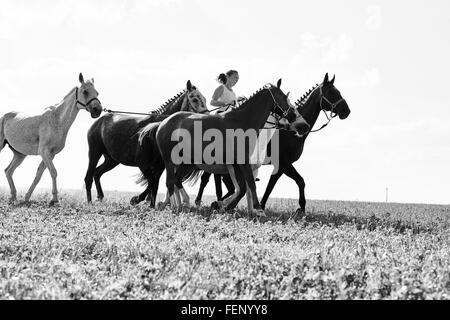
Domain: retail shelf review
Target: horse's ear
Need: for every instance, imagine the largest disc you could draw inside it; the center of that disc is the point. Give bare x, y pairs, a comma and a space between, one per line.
92, 80
332, 80
189, 85
81, 78
279, 84
325, 80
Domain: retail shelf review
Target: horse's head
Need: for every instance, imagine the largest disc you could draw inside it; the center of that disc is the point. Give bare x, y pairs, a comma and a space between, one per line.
87, 97
331, 99
194, 100
285, 111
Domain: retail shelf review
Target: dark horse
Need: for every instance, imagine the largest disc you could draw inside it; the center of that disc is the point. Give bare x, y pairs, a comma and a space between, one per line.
249, 117
324, 97
115, 137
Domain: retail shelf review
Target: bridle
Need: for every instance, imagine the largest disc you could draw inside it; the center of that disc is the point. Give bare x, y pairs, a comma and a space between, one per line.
85, 105
276, 105
332, 105
191, 107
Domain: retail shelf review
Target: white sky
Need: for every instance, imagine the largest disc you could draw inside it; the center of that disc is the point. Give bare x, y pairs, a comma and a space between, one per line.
391, 60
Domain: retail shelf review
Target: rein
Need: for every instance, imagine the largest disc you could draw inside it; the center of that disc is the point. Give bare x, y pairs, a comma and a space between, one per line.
332, 107
276, 124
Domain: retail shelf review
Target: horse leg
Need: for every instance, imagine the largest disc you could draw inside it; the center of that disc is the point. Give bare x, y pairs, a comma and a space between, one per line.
146, 172
204, 181
218, 183
249, 199
273, 180
181, 172
183, 194
170, 183
229, 184
239, 182
294, 175
250, 180
106, 166
39, 172
141, 197
16, 161
151, 197
47, 157
153, 184
249, 195
157, 172
94, 156
167, 200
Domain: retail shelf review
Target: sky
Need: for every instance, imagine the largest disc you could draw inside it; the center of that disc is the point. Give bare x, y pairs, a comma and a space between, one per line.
390, 58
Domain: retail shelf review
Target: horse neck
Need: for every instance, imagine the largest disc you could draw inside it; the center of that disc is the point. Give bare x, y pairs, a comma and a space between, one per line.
175, 106
311, 109
67, 111
255, 112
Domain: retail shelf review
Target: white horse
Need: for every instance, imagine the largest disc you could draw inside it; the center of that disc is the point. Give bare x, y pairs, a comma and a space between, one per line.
45, 134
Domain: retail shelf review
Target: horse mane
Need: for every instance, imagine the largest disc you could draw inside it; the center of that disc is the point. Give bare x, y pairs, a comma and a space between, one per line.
68, 94
56, 105
301, 102
252, 96
166, 106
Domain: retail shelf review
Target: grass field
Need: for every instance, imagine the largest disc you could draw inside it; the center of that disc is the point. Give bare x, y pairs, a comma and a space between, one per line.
339, 250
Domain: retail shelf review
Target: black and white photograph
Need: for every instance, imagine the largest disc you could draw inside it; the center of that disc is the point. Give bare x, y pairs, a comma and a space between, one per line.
224, 151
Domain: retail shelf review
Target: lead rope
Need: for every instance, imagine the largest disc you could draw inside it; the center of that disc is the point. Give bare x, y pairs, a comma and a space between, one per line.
127, 112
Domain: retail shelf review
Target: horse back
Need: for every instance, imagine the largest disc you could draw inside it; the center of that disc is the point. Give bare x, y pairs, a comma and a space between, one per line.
118, 136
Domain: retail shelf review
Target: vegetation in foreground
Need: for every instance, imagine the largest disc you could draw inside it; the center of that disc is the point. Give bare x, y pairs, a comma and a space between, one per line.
339, 250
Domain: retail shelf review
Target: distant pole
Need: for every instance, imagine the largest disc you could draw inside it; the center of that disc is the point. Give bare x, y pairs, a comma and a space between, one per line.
387, 192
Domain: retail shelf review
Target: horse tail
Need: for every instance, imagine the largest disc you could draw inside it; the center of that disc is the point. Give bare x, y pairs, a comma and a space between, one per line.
192, 176
141, 180
2, 133
149, 131
149, 151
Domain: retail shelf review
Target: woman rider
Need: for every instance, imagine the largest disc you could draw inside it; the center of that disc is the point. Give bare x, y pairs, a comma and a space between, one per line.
223, 99
224, 96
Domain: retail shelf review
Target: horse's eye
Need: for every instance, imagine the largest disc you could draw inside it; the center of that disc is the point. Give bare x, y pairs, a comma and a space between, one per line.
85, 92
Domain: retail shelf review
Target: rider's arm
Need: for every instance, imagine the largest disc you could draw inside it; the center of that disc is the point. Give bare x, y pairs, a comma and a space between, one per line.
217, 94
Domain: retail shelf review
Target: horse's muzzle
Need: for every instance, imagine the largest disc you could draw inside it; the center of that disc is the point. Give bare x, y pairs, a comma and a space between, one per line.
96, 111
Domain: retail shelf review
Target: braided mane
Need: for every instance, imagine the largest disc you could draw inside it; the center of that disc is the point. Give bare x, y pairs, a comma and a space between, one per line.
166, 105
253, 95
301, 102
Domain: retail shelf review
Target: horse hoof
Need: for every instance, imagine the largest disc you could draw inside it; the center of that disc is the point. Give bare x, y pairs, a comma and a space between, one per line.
24, 203
300, 212
198, 202
260, 213
134, 201
161, 206
53, 203
215, 206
